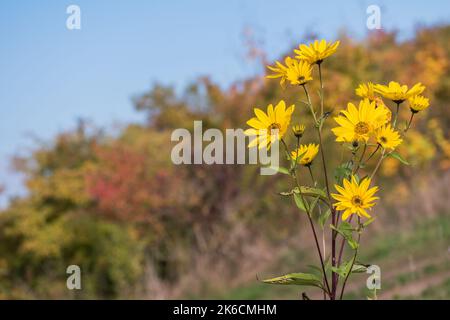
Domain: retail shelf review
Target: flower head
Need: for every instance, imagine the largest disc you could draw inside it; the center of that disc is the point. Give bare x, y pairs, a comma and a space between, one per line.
280, 70
365, 90
316, 52
357, 124
379, 103
354, 197
271, 126
299, 72
387, 137
397, 92
418, 103
307, 153
298, 130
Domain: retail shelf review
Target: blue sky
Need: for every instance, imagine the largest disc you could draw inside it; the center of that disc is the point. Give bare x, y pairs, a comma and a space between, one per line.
50, 76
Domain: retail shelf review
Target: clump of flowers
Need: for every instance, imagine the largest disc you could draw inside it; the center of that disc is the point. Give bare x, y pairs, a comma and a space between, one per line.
370, 133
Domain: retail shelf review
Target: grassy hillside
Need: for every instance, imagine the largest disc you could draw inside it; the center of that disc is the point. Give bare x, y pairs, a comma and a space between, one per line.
415, 265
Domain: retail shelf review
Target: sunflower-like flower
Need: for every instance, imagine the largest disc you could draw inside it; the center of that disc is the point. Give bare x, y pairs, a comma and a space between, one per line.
418, 103
355, 197
299, 72
366, 91
357, 124
387, 137
316, 52
280, 70
298, 130
269, 127
397, 92
307, 153
380, 104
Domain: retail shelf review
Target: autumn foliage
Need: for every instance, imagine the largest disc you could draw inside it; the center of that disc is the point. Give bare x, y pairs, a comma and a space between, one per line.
138, 225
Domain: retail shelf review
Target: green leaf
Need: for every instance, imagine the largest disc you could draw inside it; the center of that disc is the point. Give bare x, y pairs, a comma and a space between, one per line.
299, 202
282, 170
313, 204
306, 192
346, 230
324, 217
398, 157
342, 172
365, 224
315, 270
339, 271
359, 268
300, 279
353, 244
344, 269
311, 192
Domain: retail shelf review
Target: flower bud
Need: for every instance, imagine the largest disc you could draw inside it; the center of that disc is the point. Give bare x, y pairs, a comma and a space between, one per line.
298, 130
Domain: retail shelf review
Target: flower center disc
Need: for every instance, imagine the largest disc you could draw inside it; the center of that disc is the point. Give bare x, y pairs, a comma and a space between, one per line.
357, 201
361, 128
383, 139
274, 126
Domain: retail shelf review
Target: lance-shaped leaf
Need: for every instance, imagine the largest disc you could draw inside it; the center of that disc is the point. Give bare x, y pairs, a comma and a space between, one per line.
346, 230
300, 279
359, 268
398, 157
324, 217
369, 221
307, 192
342, 172
282, 170
344, 269
302, 205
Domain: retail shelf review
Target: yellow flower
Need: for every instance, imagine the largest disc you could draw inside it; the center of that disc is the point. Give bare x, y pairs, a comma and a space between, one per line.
280, 70
398, 93
316, 52
298, 130
299, 72
418, 103
356, 124
354, 197
388, 138
269, 127
380, 104
306, 152
365, 90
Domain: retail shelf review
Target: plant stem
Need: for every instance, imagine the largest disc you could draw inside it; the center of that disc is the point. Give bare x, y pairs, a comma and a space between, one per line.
311, 223
315, 235
312, 176
353, 262
396, 114
361, 158
310, 104
321, 90
378, 164
333, 219
320, 211
327, 185
341, 250
410, 121
373, 153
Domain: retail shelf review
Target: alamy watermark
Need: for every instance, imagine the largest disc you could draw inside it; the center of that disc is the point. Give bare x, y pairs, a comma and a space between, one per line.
373, 282
73, 21
219, 149
374, 19
74, 279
